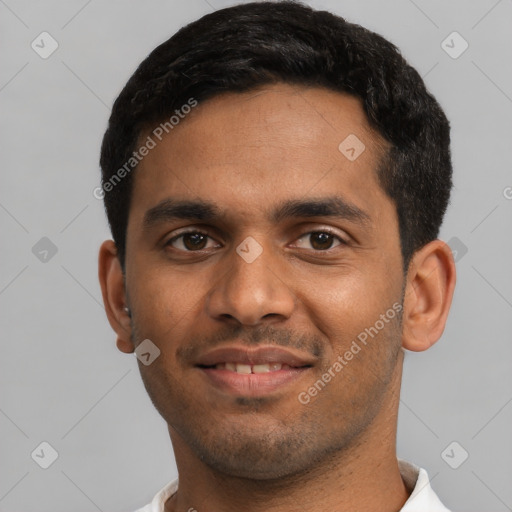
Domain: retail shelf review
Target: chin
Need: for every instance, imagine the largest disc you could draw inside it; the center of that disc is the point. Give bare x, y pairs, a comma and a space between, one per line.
263, 457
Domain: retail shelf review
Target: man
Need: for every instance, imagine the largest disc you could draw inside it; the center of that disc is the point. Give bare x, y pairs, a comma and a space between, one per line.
275, 179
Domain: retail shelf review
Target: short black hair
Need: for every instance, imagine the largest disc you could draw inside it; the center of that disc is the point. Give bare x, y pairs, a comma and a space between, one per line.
239, 48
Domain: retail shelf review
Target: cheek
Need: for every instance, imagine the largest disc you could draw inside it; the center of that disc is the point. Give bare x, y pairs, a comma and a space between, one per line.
166, 302
344, 304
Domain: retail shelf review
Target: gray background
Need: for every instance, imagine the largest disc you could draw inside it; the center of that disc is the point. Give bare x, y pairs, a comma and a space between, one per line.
62, 379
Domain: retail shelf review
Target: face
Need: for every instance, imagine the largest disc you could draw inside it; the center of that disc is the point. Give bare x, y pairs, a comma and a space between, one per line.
259, 256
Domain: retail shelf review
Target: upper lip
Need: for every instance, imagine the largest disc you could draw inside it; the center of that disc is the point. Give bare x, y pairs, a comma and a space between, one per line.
259, 355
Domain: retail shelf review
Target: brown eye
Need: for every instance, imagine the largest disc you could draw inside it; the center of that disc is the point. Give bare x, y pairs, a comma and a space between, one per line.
319, 240
194, 241
191, 241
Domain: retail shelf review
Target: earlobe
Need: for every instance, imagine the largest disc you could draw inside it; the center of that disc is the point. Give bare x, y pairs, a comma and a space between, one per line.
428, 295
124, 345
111, 280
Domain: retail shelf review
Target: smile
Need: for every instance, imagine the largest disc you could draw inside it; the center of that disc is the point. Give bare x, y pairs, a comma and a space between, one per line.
239, 371
252, 368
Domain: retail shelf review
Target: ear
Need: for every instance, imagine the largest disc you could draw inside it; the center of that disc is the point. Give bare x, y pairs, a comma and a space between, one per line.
114, 297
428, 295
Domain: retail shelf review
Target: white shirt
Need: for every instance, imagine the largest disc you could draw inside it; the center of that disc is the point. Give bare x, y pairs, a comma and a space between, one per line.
422, 498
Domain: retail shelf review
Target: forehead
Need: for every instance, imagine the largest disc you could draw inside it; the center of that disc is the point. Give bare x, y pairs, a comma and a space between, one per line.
276, 142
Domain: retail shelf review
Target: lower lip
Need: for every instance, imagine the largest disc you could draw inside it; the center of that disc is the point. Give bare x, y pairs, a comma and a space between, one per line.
252, 384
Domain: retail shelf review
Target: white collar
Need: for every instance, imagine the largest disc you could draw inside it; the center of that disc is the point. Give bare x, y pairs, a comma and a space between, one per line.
422, 498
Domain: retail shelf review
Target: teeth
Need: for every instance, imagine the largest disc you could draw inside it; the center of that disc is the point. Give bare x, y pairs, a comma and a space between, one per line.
260, 368
254, 368
243, 368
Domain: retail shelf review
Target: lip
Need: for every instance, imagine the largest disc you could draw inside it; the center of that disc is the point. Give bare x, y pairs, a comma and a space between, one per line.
260, 355
253, 384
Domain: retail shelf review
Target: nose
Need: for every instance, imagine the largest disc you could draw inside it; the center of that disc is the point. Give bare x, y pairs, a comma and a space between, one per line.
251, 292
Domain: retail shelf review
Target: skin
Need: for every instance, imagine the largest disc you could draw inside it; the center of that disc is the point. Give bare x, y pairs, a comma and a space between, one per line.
248, 153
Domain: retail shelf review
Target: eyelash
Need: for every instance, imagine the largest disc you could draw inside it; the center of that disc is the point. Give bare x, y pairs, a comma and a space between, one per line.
319, 231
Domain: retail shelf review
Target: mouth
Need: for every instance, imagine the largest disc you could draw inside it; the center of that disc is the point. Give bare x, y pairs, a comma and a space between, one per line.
246, 369
263, 371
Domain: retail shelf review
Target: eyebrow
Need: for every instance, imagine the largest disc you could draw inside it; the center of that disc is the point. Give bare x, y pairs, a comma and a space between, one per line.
170, 209
198, 210
323, 207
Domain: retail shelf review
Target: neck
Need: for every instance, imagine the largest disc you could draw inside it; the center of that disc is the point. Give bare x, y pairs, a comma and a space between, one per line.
363, 477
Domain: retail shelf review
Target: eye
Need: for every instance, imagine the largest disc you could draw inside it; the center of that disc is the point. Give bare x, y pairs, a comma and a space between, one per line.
190, 241
319, 240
